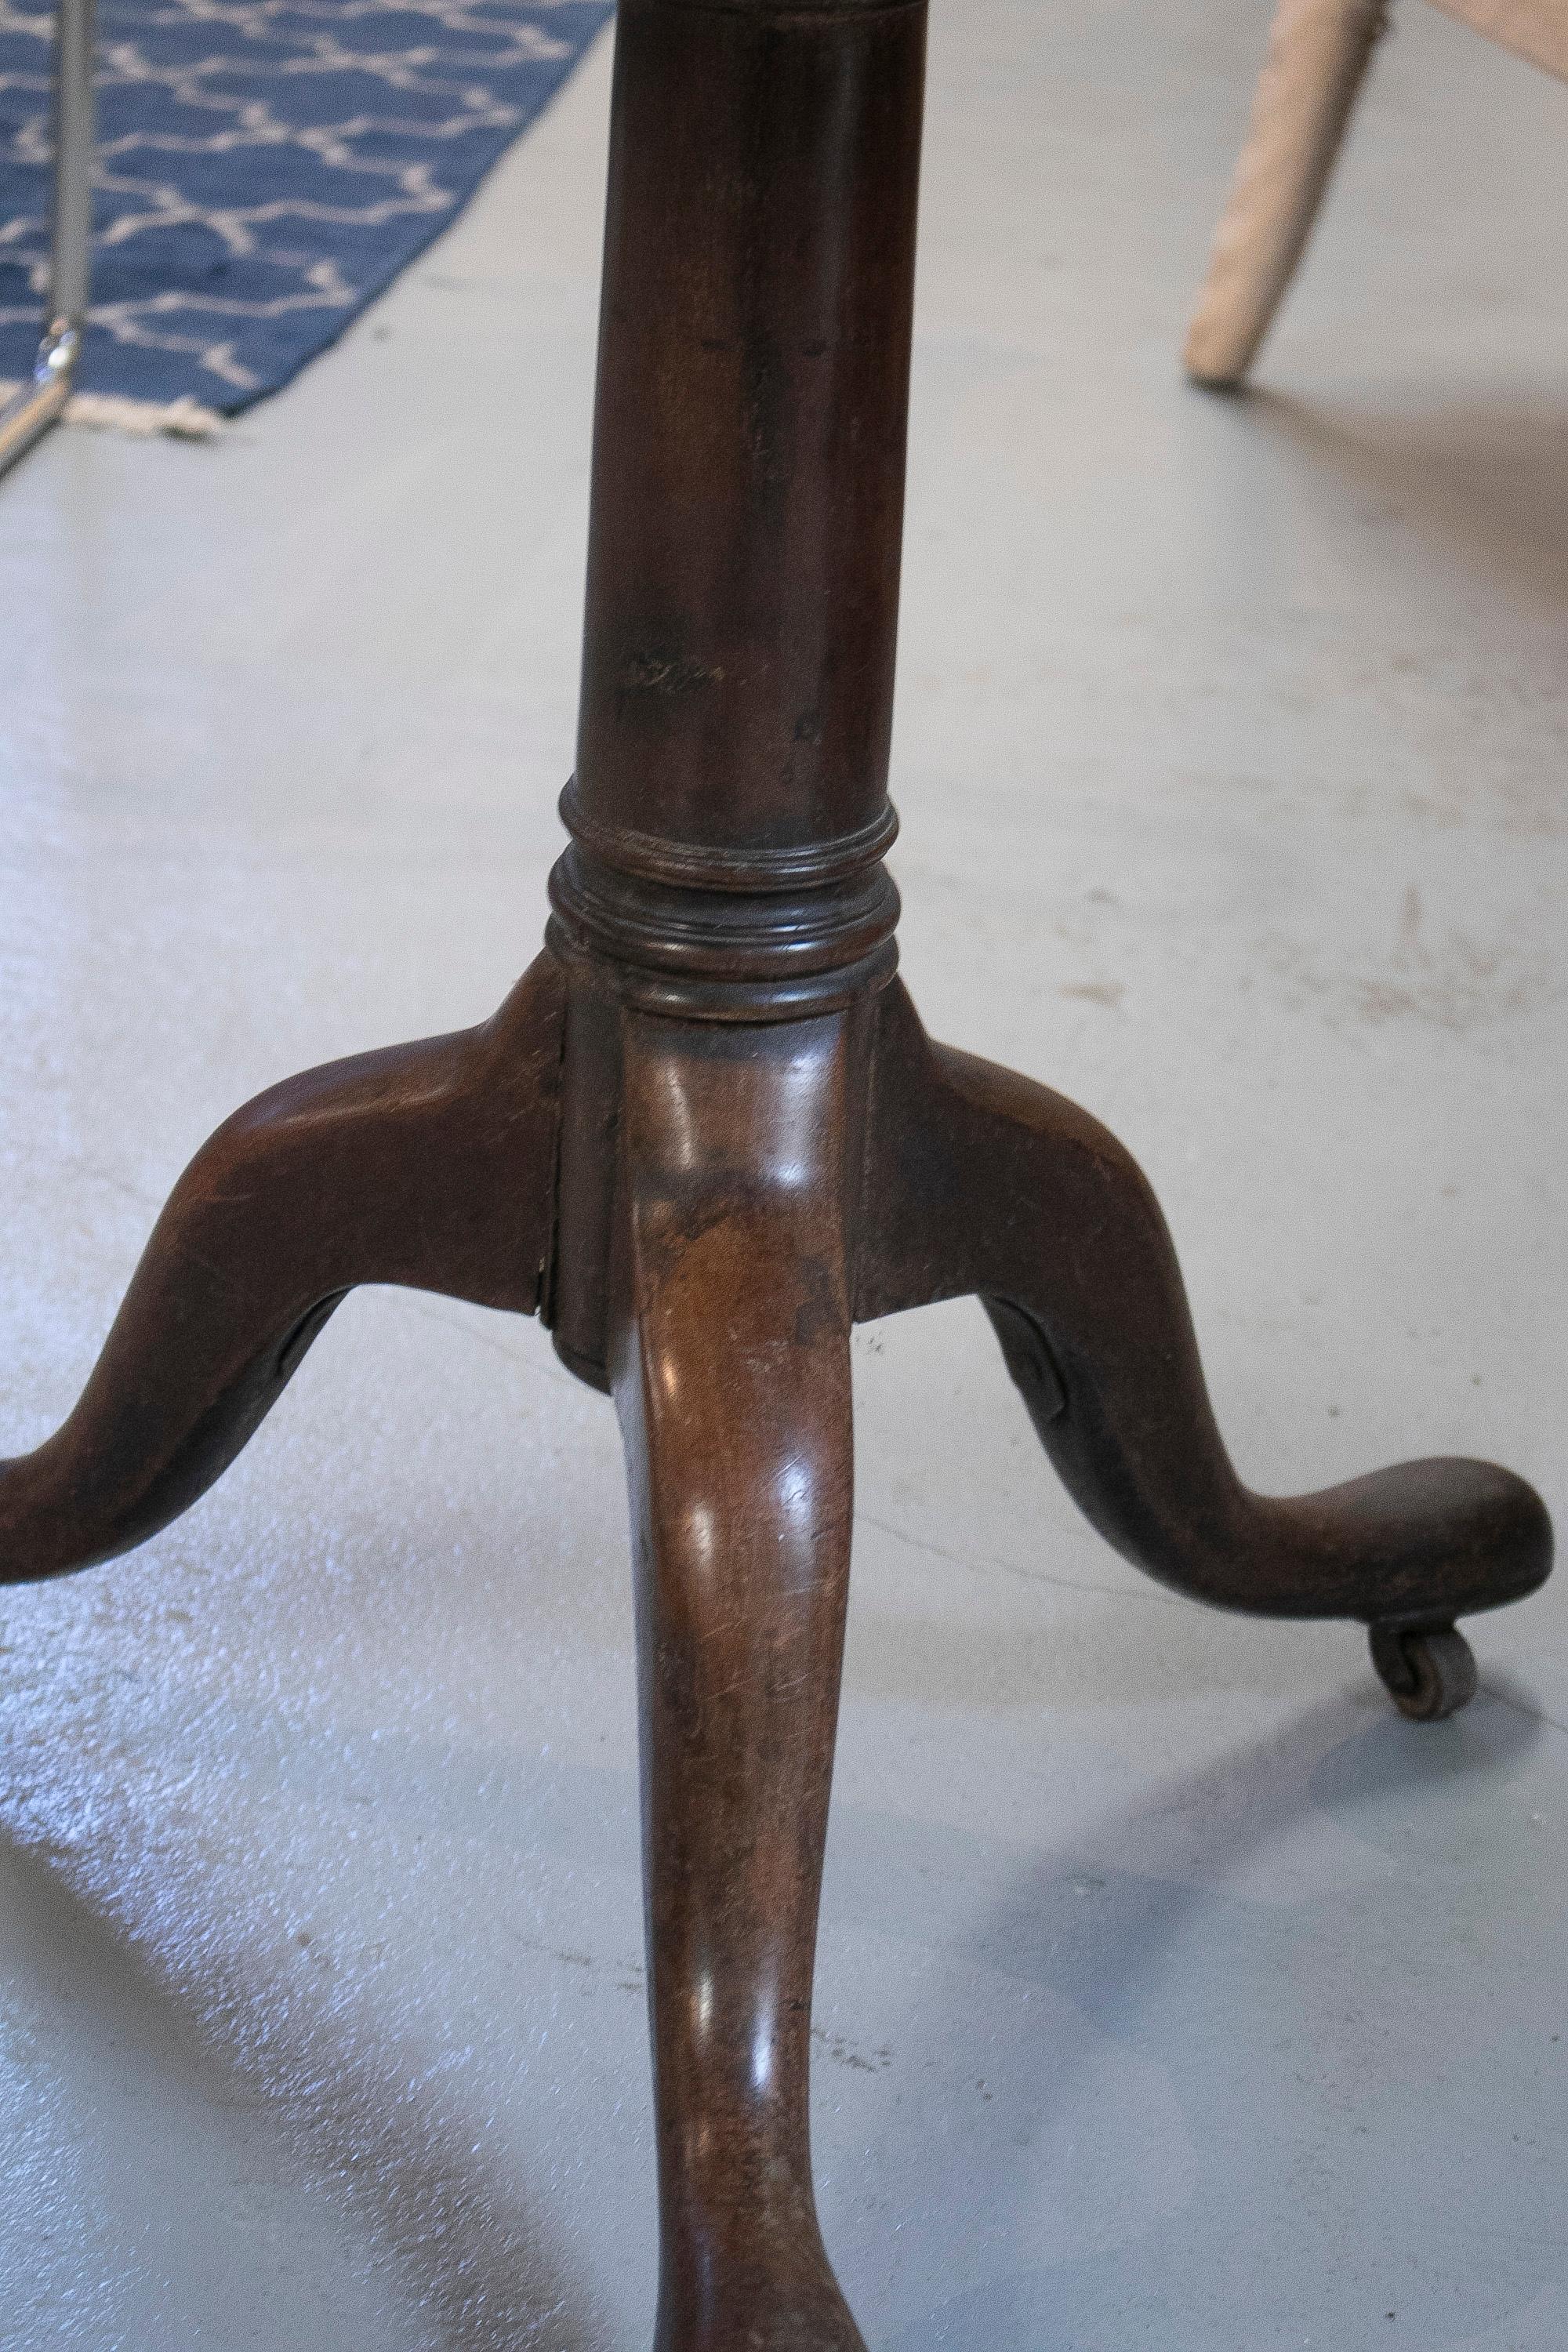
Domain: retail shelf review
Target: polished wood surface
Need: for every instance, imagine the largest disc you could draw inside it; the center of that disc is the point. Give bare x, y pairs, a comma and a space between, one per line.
707, 1132
750, 425
983, 1183
731, 1376
426, 1165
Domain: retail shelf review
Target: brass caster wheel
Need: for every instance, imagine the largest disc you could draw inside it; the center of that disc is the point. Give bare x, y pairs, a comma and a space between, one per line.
1428, 1671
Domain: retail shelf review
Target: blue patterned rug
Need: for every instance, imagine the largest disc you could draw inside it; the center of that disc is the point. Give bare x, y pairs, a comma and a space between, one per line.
265, 168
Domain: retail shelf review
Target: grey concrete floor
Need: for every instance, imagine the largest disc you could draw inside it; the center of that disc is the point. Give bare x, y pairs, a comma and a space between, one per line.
1172, 1991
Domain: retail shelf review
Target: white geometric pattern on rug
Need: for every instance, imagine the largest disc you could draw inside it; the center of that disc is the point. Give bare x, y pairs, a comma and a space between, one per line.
264, 168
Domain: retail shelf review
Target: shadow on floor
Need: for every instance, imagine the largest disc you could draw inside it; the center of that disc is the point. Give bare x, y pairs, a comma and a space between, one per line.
1484, 480
201, 2194
1212, 2114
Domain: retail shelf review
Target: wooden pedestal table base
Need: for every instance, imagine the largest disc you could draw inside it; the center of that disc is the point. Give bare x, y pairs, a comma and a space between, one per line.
706, 1132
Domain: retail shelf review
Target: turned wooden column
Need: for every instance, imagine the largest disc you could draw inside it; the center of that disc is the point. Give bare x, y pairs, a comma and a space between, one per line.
730, 808
706, 1132
728, 919
749, 439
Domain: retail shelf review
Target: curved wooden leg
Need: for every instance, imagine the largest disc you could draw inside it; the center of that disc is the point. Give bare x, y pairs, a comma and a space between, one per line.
429, 1165
1319, 52
984, 1183
730, 1361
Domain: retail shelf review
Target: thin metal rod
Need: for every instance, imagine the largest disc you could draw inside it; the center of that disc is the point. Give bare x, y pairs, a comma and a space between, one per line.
32, 410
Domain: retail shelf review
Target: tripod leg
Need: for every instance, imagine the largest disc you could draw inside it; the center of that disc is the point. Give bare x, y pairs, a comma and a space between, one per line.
1319, 52
429, 1165
984, 1183
731, 1368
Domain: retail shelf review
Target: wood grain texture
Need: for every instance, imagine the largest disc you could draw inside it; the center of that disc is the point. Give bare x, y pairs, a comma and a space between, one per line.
429, 1165
981, 1182
732, 1376
706, 1132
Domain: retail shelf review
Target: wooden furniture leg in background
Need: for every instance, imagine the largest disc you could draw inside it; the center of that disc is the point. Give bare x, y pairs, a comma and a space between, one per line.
1319, 52
707, 1132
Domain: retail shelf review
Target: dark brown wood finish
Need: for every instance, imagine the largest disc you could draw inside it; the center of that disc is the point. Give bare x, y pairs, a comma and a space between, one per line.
426, 1165
982, 1183
731, 1376
706, 1132
749, 445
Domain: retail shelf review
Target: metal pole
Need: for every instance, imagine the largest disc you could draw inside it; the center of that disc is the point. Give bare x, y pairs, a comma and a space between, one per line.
32, 410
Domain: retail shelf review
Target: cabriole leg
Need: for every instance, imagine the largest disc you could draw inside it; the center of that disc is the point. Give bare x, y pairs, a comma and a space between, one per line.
429, 1165
731, 1367
984, 1183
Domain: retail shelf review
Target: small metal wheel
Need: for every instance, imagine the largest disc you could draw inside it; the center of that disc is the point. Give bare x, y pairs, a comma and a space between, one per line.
1429, 1671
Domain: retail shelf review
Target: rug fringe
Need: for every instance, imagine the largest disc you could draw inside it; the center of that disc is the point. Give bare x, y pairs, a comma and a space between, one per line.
111, 412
